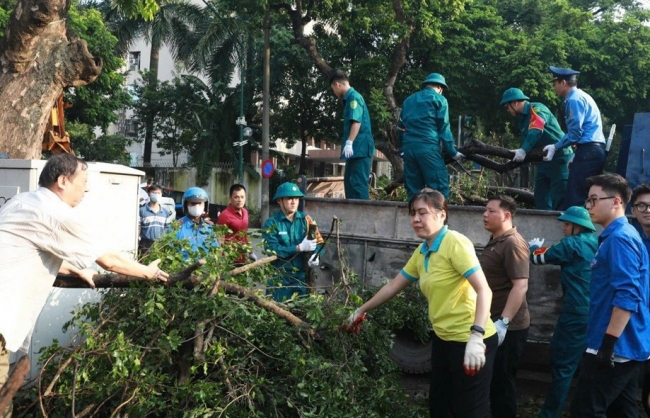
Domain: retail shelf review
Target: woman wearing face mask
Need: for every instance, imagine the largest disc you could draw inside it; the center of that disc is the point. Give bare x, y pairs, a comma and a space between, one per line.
199, 231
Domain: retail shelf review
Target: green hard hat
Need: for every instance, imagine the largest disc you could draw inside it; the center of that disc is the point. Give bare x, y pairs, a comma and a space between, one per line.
435, 78
511, 95
579, 216
287, 189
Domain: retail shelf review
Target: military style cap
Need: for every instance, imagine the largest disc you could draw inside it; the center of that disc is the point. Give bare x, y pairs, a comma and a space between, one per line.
435, 78
564, 73
579, 216
513, 94
287, 189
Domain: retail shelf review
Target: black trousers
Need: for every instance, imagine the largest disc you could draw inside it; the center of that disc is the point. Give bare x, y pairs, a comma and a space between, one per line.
453, 393
606, 393
503, 390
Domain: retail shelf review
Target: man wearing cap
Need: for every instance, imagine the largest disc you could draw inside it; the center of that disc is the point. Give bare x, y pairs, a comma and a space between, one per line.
422, 129
286, 235
538, 128
585, 132
358, 146
574, 254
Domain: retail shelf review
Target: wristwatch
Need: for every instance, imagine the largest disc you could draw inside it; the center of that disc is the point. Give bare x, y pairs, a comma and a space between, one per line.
478, 329
505, 320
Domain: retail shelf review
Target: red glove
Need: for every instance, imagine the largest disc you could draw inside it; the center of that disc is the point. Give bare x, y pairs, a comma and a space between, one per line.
353, 324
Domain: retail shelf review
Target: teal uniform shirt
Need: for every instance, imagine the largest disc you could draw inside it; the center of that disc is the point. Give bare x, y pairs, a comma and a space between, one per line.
425, 121
538, 128
574, 254
281, 236
355, 110
423, 130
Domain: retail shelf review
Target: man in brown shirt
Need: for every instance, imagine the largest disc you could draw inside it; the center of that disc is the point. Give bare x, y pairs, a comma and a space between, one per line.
505, 264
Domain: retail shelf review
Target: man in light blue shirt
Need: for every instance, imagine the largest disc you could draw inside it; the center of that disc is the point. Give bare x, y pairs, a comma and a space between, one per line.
584, 132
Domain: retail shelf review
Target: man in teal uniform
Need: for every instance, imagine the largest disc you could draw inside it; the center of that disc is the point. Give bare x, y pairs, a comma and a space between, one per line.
538, 128
423, 128
358, 146
574, 254
286, 235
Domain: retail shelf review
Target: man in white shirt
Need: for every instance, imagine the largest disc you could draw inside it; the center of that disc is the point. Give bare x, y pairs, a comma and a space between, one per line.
40, 237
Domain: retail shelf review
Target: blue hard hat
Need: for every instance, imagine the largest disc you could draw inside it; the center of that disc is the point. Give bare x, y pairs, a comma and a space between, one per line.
194, 194
563, 73
579, 216
435, 78
287, 189
513, 95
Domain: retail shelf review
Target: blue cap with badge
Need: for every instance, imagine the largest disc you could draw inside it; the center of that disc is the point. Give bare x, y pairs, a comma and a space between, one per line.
564, 73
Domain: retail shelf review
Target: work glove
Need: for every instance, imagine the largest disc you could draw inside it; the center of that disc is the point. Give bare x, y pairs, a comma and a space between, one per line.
459, 157
347, 150
474, 359
307, 245
314, 261
549, 152
252, 256
536, 242
520, 154
501, 330
605, 356
353, 324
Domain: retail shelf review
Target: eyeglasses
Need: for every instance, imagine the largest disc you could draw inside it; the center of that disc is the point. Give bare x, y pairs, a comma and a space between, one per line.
642, 207
591, 201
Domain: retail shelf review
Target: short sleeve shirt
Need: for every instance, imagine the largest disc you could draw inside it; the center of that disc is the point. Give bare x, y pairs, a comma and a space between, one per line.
442, 271
504, 259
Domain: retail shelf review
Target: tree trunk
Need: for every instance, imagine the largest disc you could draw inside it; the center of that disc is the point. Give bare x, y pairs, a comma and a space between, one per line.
39, 57
154, 59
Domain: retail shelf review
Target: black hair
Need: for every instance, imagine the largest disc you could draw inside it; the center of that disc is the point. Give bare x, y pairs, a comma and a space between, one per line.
235, 188
639, 190
155, 187
612, 183
338, 76
58, 165
506, 203
433, 198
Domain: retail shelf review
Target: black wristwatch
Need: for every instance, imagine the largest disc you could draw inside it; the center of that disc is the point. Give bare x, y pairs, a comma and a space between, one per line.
478, 329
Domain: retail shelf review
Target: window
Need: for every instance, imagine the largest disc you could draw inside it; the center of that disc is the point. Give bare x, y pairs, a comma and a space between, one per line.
130, 127
134, 61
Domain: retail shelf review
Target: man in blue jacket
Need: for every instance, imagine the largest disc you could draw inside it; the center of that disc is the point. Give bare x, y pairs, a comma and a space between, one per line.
195, 229
618, 341
584, 131
358, 145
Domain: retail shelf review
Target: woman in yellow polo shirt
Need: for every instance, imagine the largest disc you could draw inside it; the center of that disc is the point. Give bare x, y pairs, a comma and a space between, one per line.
450, 277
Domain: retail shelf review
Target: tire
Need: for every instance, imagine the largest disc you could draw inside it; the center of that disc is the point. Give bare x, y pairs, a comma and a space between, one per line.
410, 355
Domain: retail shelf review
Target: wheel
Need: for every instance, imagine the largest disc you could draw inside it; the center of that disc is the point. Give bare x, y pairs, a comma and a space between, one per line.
410, 355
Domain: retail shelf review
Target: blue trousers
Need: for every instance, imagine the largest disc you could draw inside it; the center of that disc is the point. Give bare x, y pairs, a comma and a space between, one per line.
568, 344
424, 166
356, 178
453, 393
607, 393
589, 161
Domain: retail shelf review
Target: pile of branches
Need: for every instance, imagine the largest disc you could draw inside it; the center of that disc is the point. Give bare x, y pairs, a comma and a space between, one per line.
210, 344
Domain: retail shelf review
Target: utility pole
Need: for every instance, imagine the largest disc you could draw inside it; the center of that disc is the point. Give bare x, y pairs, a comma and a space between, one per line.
265, 108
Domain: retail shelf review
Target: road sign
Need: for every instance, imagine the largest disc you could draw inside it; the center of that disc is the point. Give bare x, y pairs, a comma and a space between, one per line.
267, 168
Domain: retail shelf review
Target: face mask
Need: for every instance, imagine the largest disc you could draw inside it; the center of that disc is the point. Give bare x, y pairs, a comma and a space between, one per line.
154, 197
195, 211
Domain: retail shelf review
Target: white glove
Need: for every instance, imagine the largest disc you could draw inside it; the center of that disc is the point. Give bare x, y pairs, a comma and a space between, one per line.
474, 354
252, 256
459, 157
355, 316
520, 154
536, 242
501, 330
314, 261
347, 150
307, 245
549, 150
